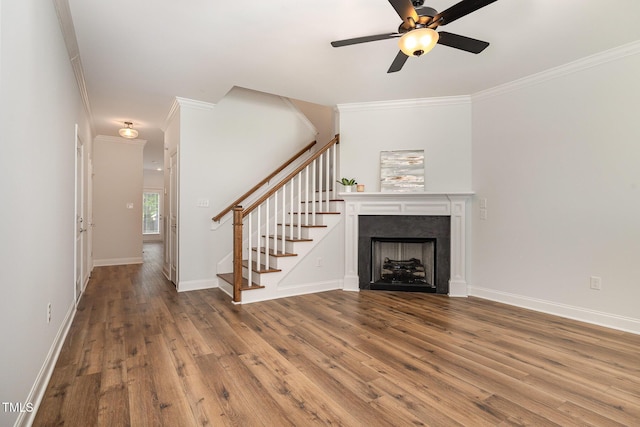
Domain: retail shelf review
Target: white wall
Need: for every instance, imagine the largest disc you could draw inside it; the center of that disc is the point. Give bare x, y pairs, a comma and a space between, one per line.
117, 183
153, 179
557, 156
39, 107
322, 117
439, 126
224, 150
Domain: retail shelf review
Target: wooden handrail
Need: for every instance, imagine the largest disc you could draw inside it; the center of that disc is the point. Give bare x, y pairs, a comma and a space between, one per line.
281, 184
261, 183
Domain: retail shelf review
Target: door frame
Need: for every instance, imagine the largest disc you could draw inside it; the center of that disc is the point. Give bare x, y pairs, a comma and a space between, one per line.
172, 236
80, 223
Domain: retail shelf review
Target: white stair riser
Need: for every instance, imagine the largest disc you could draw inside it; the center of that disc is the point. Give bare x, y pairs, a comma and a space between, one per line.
285, 264
289, 246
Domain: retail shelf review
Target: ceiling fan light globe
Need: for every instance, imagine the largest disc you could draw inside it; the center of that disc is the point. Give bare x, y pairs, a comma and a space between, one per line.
419, 41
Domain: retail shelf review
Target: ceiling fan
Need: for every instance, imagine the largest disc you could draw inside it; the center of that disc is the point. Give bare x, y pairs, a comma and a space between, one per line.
417, 31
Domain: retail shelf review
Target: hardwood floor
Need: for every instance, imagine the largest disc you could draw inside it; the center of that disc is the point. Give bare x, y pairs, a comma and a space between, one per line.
138, 353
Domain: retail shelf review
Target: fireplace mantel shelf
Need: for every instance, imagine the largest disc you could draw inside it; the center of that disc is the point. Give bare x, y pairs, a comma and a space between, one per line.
453, 204
412, 195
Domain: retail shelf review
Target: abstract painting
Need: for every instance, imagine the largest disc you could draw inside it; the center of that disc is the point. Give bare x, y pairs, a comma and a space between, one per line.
402, 171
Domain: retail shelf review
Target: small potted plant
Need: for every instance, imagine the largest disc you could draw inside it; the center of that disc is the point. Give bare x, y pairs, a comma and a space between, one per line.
347, 183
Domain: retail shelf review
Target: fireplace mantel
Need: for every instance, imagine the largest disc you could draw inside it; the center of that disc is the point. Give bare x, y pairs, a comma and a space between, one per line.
452, 204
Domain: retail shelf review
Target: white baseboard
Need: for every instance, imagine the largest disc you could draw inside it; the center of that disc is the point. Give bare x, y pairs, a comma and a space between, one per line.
42, 380
458, 288
116, 261
290, 291
195, 285
599, 318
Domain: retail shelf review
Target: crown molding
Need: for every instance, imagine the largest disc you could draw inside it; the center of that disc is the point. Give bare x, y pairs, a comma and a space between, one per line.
179, 102
69, 35
175, 107
119, 140
563, 70
192, 103
405, 103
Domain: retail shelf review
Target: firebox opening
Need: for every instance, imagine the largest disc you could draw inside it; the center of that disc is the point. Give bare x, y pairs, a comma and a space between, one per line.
403, 264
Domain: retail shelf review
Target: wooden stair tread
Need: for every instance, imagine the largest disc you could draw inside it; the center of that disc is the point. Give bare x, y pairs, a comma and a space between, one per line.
276, 253
288, 239
318, 201
228, 277
261, 269
320, 213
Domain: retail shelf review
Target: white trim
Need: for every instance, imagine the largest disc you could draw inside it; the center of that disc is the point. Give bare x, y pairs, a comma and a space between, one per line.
192, 103
563, 70
116, 261
119, 140
452, 204
194, 285
175, 107
290, 291
599, 318
42, 380
179, 102
69, 35
405, 103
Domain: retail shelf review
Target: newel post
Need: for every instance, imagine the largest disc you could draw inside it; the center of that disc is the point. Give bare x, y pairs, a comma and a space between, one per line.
237, 253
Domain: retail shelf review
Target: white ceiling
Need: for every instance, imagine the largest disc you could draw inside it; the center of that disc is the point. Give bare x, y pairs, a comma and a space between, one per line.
138, 55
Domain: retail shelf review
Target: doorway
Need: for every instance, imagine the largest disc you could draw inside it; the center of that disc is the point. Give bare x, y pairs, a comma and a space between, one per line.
80, 223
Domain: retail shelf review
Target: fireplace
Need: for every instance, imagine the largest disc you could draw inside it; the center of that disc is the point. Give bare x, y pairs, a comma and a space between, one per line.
403, 263
404, 253
403, 212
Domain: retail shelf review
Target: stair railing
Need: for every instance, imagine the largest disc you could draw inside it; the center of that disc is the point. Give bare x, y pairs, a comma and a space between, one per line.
299, 197
259, 185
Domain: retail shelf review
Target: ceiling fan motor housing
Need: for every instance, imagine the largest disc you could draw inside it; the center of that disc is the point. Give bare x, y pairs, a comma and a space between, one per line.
418, 33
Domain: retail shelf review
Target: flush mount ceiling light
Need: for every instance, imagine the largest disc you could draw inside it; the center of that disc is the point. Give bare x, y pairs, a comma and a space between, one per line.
127, 131
418, 42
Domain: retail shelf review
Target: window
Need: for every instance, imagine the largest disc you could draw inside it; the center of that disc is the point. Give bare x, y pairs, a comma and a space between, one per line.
151, 212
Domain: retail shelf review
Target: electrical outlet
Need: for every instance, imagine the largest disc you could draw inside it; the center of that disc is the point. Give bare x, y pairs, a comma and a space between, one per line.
49, 313
595, 283
318, 262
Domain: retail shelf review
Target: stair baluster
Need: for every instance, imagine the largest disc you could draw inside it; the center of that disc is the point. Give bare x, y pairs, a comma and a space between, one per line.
304, 198
249, 221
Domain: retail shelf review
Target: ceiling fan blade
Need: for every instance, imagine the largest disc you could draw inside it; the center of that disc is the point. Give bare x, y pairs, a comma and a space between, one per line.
398, 63
365, 39
459, 10
407, 13
461, 42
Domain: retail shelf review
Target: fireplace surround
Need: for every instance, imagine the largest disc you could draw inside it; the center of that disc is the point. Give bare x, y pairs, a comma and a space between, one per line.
405, 230
452, 206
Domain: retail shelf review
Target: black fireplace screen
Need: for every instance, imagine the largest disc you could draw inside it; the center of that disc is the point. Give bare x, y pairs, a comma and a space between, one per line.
403, 261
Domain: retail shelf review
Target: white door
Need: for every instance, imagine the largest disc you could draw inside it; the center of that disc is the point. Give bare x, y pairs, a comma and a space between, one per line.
80, 226
173, 218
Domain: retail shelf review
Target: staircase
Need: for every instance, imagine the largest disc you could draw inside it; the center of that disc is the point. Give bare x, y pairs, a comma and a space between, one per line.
279, 229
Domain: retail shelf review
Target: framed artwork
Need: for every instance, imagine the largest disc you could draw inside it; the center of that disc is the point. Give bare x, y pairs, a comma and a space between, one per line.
402, 171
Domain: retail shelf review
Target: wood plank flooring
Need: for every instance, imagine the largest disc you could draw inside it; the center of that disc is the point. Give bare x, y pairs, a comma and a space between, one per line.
140, 354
